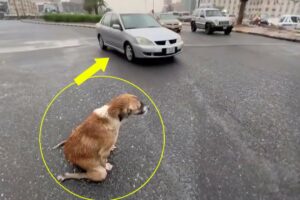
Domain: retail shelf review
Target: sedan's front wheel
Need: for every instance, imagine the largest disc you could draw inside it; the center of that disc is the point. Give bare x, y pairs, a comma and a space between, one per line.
129, 53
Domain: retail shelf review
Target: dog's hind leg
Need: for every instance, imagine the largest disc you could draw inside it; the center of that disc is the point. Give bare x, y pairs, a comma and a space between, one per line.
97, 175
67, 176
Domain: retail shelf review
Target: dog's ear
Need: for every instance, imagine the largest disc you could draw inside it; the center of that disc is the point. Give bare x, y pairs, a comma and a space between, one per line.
119, 111
124, 113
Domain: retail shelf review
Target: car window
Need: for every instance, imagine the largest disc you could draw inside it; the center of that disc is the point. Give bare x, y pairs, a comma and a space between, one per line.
201, 12
106, 20
133, 21
281, 19
213, 13
294, 19
114, 20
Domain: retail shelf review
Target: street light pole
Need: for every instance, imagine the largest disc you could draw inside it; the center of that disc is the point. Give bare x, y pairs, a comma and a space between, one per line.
153, 7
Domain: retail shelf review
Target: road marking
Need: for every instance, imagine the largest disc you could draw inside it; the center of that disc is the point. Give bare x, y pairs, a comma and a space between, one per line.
234, 44
100, 64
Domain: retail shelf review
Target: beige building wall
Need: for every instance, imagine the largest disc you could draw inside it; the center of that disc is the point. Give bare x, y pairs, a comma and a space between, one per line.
22, 7
270, 8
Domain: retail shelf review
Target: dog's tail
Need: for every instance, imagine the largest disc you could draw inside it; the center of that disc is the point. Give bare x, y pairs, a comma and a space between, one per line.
62, 143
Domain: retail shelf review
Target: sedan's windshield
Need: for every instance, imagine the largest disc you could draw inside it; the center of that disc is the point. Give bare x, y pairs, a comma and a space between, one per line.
213, 13
167, 16
132, 21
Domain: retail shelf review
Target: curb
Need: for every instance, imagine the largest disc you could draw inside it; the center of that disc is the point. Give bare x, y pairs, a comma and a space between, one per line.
61, 24
269, 36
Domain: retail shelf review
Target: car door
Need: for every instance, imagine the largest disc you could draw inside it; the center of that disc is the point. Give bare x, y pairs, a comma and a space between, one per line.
117, 35
197, 16
201, 19
105, 29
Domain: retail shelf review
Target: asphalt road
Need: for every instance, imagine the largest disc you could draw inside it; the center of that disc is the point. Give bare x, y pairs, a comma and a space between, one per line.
231, 107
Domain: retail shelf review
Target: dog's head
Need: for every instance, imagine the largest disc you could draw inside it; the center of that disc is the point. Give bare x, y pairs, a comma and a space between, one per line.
125, 105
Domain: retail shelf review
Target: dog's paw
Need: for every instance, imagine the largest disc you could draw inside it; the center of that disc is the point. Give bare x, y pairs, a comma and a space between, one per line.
60, 178
113, 148
108, 166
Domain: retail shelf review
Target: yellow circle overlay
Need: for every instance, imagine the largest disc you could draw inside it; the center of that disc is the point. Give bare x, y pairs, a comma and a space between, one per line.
131, 84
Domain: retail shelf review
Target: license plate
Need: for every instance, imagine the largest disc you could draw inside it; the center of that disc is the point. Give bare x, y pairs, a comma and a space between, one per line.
170, 50
224, 27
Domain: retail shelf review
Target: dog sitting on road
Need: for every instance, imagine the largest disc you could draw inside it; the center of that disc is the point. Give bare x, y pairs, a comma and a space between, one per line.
90, 144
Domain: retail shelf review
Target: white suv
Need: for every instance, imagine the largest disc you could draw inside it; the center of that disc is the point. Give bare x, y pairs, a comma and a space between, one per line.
211, 19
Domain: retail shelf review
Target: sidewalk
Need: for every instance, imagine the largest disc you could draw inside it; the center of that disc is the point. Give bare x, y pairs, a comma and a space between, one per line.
35, 21
289, 35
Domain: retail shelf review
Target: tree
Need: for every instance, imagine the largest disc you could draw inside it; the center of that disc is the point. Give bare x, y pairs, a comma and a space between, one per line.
241, 11
90, 5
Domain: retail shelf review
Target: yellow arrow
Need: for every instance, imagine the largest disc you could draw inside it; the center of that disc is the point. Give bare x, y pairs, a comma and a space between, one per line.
100, 64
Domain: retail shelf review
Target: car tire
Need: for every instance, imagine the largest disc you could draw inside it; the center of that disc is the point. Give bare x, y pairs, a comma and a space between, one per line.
208, 29
129, 53
227, 31
101, 43
193, 27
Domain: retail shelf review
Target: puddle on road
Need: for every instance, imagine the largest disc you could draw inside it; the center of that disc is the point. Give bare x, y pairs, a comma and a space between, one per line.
45, 44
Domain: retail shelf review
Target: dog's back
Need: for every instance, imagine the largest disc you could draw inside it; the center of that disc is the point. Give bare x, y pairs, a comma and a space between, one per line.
85, 143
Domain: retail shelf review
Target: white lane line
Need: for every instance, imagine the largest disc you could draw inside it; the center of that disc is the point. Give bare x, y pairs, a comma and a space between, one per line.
234, 44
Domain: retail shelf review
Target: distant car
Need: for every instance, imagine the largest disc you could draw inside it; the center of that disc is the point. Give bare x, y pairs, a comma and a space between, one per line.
259, 21
184, 16
211, 19
137, 36
290, 21
232, 18
170, 21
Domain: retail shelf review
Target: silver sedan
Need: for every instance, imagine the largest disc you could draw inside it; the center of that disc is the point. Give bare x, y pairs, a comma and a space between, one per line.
137, 36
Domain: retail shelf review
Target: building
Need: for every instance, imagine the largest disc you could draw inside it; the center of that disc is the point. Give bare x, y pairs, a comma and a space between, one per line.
267, 8
21, 8
65, 6
272, 8
189, 5
230, 6
72, 6
3, 8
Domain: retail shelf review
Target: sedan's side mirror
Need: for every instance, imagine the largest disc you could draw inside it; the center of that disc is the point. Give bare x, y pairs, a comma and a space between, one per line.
116, 26
202, 16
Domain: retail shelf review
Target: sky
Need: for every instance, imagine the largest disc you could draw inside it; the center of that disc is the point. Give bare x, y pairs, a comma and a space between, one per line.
135, 5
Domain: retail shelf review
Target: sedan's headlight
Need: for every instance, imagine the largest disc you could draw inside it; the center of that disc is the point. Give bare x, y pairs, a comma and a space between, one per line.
143, 41
179, 40
180, 24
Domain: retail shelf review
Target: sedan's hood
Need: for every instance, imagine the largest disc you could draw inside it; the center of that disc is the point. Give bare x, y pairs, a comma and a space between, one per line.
173, 21
153, 34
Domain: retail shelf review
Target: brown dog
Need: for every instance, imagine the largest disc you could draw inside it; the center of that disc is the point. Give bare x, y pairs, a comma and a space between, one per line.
90, 144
